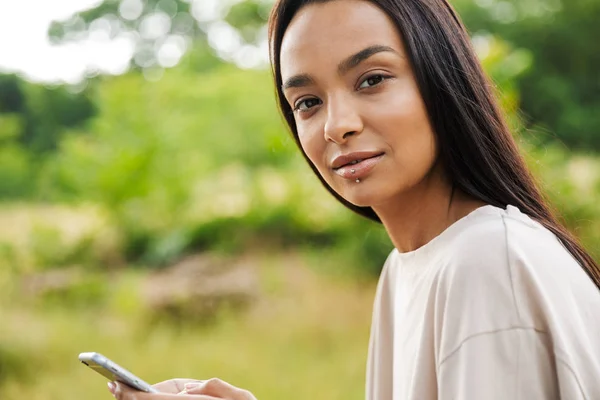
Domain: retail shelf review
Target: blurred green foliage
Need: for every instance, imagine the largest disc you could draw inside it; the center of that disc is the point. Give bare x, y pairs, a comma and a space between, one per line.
35, 116
115, 17
249, 18
32, 120
200, 160
559, 92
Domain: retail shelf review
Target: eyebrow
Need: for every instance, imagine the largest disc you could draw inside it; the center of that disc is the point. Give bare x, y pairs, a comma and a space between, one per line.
346, 65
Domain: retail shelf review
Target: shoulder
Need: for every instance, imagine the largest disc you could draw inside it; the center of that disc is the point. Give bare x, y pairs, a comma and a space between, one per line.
475, 290
495, 243
475, 277
511, 268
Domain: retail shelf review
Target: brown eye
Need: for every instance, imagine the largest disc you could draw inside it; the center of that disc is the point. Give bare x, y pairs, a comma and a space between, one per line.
373, 80
307, 104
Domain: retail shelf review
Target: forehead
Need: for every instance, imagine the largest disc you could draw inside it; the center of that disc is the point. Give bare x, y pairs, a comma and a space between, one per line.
331, 31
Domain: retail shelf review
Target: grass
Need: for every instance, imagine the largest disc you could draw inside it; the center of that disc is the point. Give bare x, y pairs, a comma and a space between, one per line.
306, 337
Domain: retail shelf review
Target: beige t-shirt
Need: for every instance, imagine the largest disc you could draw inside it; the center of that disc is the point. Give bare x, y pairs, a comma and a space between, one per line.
492, 308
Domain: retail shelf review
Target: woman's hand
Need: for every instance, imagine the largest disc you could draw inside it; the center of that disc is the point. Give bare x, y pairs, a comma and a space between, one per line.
175, 386
217, 389
213, 389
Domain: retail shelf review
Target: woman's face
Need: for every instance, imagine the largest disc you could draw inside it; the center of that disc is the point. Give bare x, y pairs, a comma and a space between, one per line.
359, 114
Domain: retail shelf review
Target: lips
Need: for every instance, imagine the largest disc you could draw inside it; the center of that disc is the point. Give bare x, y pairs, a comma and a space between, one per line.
356, 165
353, 158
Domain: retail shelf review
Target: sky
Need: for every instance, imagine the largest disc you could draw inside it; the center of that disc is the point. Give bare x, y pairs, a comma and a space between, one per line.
26, 49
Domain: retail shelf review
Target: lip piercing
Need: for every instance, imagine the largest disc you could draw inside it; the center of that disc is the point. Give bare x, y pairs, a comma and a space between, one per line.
352, 171
358, 181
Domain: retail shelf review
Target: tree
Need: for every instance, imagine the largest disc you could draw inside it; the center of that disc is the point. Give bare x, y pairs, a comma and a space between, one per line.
40, 114
33, 119
560, 93
164, 30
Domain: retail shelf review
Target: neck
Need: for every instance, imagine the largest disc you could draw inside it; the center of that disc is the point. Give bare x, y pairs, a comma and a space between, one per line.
423, 213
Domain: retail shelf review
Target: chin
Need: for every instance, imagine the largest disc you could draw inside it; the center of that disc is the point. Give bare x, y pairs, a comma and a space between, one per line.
367, 193
361, 198
371, 193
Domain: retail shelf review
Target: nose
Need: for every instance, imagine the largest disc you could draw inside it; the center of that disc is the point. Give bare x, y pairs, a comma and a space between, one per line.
343, 120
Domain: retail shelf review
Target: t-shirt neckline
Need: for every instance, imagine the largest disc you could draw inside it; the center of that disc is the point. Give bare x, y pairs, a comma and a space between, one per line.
449, 232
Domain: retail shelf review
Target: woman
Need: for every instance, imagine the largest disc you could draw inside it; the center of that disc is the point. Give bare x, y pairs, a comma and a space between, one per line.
486, 295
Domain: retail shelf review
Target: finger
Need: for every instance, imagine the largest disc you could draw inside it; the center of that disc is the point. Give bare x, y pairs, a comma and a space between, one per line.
192, 384
220, 389
124, 392
173, 385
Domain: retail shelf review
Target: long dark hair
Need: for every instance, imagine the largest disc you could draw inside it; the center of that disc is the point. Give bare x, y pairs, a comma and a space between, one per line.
476, 147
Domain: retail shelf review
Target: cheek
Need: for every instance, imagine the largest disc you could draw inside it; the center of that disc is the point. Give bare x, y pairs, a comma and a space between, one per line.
416, 149
408, 132
313, 145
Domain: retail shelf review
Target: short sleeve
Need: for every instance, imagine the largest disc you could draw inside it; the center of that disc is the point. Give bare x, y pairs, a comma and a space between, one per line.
515, 363
519, 318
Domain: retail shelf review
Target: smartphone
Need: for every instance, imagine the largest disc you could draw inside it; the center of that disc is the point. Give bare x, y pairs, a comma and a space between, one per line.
114, 372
